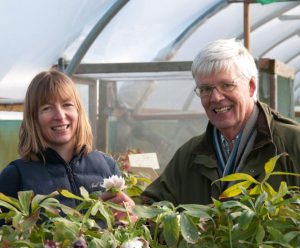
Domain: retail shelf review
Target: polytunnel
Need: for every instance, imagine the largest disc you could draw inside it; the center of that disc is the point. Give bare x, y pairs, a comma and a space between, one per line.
131, 61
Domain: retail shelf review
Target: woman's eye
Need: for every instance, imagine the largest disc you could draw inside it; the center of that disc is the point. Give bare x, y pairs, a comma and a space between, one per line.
68, 104
45, 108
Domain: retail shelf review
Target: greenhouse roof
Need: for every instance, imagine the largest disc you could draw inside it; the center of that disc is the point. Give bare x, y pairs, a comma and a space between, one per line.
36, 34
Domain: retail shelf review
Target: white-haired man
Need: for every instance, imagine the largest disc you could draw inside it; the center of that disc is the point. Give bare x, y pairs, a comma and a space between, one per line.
242, 133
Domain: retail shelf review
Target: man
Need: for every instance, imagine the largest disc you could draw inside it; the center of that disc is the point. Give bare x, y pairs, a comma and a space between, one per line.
241, 136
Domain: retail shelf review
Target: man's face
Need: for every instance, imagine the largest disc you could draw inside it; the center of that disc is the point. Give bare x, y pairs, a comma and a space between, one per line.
228, 106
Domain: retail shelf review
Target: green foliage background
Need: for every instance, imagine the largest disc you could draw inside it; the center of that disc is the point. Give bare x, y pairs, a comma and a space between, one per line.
9, 131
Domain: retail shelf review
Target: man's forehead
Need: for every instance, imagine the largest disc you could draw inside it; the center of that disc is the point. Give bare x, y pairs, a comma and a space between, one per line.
216, 76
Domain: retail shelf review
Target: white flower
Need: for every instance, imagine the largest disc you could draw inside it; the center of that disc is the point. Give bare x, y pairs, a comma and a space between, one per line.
114, 183
134, 243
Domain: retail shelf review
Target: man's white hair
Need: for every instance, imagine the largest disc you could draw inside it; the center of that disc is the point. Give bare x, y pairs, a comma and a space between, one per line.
225, 55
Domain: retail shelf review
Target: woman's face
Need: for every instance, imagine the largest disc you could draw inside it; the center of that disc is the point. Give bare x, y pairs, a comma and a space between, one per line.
58, 120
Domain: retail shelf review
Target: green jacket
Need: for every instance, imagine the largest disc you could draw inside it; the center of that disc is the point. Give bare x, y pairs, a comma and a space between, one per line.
189, 175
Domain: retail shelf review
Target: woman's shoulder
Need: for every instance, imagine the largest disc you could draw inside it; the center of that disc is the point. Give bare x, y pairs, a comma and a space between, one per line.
20, 164
11, 168
96, 154
100, 157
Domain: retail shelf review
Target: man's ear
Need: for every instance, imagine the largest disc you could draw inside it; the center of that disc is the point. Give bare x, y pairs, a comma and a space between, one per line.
252, 86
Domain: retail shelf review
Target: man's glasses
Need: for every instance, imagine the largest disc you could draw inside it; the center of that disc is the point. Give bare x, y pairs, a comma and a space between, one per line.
206, 90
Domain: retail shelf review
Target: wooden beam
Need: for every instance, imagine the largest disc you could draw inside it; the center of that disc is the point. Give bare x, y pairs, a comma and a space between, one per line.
12, 107
273, 66
247, 26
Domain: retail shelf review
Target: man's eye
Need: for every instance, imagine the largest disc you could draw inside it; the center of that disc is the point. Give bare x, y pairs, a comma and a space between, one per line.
205, 89
227, 86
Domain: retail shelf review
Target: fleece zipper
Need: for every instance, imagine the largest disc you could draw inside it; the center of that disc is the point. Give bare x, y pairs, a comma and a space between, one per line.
71, 178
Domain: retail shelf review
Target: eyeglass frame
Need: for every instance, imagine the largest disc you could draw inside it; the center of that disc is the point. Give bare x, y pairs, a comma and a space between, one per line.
216, 86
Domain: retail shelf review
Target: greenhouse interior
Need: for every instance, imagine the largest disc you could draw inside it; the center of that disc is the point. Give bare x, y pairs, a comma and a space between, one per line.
131, 61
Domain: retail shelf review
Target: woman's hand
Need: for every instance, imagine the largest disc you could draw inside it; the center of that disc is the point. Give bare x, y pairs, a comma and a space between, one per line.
123, 200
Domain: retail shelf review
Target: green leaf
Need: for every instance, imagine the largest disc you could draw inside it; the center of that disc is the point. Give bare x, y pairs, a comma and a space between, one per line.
165, 205
269, 189
147, 212
260, 200
86, 215
188, 228
68, 194
183, 244
25, 200
275, 173
106, 214
171, 230
260, 234
246, 218
237, 177
198, 214
14, 202
282, 191
288, 237
22, 243
29, 222
195, 207
53, 210
134, 191
116, 206
8, 206
95, 208
107, 240
270, 164
84, 193
217, 203
235, 189
65, 230
256, 190
275, 233
38, 199
147, 233
233, 204
70, 211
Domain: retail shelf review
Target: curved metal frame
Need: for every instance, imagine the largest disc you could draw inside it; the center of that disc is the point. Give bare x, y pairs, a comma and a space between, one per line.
280, 41
168, 52
93, 34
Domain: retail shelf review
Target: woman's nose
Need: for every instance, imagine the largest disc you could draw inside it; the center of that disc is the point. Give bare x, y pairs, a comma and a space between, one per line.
59, 113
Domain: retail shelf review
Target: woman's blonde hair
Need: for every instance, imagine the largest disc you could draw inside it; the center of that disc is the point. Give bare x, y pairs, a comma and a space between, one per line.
44, 87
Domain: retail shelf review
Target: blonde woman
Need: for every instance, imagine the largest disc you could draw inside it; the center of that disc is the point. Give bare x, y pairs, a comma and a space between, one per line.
55, 144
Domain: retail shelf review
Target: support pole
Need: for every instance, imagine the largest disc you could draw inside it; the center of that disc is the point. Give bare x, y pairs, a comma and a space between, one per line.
247, 30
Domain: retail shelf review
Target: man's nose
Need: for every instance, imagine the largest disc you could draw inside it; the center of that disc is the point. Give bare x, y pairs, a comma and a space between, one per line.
216, 95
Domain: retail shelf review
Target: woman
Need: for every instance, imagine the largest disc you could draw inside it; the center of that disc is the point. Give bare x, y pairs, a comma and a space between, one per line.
55, 144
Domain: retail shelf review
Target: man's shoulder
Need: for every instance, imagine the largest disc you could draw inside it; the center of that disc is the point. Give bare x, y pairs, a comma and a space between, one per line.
193, 143
276, 118
282, 128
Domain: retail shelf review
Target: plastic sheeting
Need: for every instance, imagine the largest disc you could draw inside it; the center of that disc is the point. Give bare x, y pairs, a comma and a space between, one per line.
36, 34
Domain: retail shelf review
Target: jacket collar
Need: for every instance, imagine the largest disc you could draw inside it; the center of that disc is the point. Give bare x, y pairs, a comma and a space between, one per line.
204, 155
264, 127
52, 157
